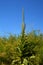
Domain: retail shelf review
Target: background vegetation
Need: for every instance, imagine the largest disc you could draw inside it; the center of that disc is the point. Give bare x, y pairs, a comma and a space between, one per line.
25, 49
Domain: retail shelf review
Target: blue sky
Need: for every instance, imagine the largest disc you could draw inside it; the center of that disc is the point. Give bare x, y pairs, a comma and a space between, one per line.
11, 15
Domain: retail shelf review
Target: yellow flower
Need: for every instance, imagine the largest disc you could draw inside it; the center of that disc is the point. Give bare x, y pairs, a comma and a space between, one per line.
22, 64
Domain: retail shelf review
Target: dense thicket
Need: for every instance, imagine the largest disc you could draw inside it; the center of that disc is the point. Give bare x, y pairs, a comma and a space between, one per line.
26, 49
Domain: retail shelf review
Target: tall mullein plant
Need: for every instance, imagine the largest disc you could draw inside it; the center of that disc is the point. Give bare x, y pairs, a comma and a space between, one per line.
22, 43
22, 37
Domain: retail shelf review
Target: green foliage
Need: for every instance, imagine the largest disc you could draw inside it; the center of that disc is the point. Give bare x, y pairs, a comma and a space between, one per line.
26, 49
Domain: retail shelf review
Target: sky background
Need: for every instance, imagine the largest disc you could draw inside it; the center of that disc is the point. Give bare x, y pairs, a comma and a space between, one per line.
11, 16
